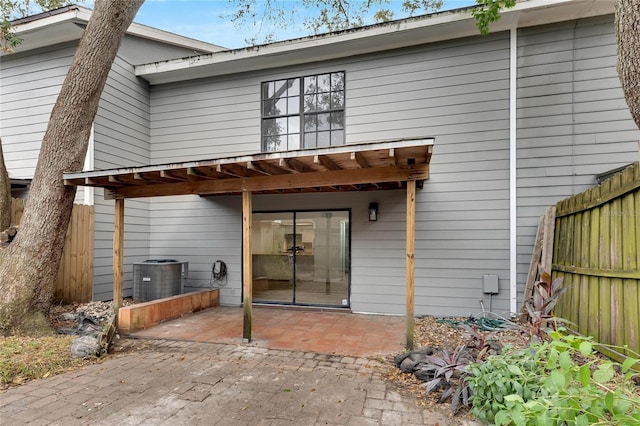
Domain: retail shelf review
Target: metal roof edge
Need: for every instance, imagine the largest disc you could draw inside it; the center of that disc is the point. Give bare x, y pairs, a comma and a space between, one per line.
161, 71
79, 14
381, 145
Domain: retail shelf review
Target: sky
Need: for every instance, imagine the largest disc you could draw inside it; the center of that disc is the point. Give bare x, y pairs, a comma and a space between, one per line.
209, 20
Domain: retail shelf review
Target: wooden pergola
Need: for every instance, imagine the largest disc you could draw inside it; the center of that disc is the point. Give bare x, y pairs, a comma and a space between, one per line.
400, 164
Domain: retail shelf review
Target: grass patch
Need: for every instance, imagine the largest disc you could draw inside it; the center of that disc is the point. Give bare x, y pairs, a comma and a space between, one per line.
27, 358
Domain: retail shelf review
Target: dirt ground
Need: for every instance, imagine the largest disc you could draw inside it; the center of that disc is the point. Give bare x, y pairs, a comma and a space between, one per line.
438, 334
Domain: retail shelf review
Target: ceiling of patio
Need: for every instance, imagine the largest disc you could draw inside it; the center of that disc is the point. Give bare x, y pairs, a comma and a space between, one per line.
356, 167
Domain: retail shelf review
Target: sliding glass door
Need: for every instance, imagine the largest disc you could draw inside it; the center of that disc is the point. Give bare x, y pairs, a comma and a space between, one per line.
301, 258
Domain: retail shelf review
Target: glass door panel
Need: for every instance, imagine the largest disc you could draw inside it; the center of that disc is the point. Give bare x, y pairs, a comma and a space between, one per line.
272, 258
322, 266
301, 258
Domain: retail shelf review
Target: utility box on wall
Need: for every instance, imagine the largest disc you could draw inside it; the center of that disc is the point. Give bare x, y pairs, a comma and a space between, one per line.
490, 284
158, 278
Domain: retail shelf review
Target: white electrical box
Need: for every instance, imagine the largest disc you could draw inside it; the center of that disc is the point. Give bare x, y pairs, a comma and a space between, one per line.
490, 284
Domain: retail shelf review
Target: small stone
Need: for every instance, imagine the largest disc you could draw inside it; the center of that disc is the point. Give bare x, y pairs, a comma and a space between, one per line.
425, 350
397, 360
84, 346
407, 365
424, 375
68, 316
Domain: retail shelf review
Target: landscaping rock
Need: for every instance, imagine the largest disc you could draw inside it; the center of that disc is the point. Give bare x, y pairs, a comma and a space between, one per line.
69, 316
84, 346
99, 312
424, 375
92, 323
408, 361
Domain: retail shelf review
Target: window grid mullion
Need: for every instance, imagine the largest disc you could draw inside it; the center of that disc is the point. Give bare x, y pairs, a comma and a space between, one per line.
302, 115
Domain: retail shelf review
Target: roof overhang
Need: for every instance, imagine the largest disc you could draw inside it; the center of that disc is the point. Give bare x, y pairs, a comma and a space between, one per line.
68, 23
374, 38
19, 183
357, 167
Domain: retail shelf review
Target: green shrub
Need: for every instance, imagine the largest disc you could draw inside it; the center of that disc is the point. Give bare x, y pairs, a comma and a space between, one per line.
561, 382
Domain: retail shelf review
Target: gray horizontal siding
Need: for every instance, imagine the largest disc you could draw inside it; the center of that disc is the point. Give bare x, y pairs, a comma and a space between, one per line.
455, 91
573, 122
121, 139
29, 86
200, 231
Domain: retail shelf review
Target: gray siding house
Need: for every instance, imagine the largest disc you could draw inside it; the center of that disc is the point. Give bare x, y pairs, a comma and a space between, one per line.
521, 119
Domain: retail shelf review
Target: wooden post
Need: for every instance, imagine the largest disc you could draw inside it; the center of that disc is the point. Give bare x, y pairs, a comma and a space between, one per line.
247, 272
547, 238
411, 243
118, 254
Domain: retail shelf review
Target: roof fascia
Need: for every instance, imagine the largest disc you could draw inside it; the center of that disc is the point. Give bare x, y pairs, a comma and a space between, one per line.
432, 28
74, 14
81, 15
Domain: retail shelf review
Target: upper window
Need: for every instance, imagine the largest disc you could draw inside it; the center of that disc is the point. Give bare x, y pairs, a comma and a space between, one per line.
303, 112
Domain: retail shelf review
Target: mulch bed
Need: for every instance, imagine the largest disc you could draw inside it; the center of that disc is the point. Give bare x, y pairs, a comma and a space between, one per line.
438, 334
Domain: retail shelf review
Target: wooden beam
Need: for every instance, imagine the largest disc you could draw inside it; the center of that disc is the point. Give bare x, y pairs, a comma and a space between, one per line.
409, 147
547, 238
123, 180
118, 254
269, 168
247, 267
256, 168
199, 173
232, 170
597, 272
411, 243
293, 165
532, 275
393, 156
266, 183
164, 174
326, 162
359, 158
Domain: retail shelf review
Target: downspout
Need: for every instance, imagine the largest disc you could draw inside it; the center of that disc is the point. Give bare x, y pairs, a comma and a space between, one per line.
513, 229
89, 164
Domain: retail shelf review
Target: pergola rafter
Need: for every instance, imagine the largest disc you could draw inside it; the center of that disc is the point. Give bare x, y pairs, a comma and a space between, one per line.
360, 167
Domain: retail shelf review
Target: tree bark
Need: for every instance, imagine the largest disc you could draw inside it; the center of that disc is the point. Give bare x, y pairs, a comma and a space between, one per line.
5, 194
29, 266
628, 36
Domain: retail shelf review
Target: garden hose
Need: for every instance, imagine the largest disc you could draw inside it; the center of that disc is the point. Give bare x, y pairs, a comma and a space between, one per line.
483, 323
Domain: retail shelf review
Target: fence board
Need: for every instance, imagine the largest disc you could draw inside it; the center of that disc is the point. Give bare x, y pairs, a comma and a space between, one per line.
75, 276
598, 253
17, 208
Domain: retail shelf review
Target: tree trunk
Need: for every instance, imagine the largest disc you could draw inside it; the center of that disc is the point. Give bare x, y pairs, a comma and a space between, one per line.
29, 266
5, 194
628, 34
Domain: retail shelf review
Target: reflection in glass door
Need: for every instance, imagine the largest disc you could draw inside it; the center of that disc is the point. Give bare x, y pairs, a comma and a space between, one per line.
301, 258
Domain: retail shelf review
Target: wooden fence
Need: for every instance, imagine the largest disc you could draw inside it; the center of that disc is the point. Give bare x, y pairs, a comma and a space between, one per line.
75, 277
597, 251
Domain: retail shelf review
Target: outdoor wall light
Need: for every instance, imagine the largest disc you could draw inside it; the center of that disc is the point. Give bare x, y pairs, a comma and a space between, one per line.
373, 212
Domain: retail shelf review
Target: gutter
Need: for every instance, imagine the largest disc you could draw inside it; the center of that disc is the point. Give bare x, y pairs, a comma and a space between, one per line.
407, 32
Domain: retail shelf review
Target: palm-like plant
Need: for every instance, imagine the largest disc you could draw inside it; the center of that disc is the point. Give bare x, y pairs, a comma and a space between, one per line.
540, 305
447, 367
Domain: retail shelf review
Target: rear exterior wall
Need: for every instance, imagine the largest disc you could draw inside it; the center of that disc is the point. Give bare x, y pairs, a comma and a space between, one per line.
29, 86
573, 122
456, 91
121, 133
